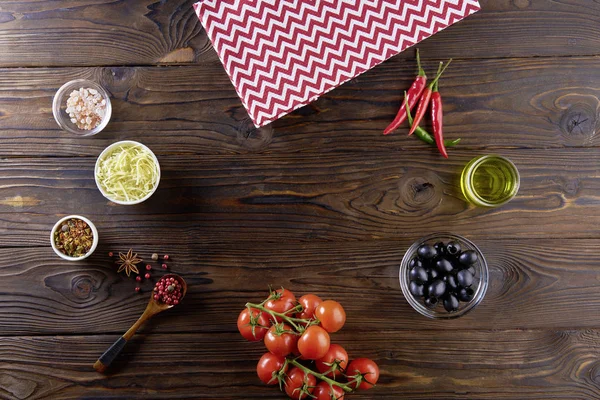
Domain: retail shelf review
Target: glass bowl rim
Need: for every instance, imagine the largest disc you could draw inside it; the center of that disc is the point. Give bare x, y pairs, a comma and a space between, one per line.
404, 281
475, 163
60, 96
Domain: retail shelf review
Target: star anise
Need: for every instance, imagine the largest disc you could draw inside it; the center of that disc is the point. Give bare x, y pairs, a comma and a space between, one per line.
127, 262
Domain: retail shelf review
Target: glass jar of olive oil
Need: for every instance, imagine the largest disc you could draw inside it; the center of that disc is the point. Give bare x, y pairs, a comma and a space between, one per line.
489, 181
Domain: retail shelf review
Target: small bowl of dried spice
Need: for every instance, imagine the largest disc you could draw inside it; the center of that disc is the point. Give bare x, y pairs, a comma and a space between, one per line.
82, 107
74, 238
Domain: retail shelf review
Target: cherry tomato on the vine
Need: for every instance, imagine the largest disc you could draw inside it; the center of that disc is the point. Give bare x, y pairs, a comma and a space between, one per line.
258, 320
365, 368
280, 340
298, 384
268, 366
323, 391
335, 355
309, 303
331, 315
282, 301
313, 343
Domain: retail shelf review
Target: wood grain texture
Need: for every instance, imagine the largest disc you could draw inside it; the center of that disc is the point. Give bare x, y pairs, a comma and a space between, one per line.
142, 32
550, 284
414, 365
341, 197
319, 202
490, 104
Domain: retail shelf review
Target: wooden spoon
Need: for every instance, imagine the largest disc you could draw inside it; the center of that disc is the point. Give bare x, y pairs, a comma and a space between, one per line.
153, 308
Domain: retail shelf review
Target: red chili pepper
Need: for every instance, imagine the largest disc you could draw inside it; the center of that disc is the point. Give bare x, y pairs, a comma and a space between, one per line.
436, 119
414, 93
425, 97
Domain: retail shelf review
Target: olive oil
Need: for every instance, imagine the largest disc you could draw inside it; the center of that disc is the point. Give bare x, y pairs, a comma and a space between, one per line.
489, 181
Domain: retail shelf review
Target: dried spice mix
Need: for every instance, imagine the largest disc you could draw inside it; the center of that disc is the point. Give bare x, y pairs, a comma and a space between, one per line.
74, 238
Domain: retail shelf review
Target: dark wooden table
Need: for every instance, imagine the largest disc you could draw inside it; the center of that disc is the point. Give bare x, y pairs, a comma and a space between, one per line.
317, 202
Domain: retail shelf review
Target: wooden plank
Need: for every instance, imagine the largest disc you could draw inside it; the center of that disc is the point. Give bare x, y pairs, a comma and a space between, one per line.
226, 199
548, 284
491, 104
414, 365
141, 32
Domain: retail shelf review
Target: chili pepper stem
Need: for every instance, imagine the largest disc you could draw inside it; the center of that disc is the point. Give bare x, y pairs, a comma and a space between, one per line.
436, 82
440, 73
322, 377
421, 70
408, 113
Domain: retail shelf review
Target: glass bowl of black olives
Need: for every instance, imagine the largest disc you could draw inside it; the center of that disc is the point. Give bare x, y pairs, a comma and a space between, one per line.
443, 276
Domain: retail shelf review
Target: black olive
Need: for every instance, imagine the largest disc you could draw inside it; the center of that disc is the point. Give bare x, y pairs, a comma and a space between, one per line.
466, 294
433, 274
453, 248
431, 302
451, 283
444, 266
464, 278
418, 274
437, 288
427, 252
471, 269
415, 262
440, 247
416, 289
468, 257
451, 303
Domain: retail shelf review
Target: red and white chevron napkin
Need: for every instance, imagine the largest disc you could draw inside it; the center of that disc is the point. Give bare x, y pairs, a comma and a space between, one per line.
283, 54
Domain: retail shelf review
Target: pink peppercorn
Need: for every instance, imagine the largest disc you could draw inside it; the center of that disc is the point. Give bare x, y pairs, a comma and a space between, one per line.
110, 253
166, 257
156, 297
148, 267
147, 276
164, 266
138, 278
137, 289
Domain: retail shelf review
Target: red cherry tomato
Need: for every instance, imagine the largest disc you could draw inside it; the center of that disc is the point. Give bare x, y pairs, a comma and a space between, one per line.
268, 366
298, 383
314, 343
335, 355
279, 341
309, 303
367, 369
325, 392
331, 314
259, 320
283, 300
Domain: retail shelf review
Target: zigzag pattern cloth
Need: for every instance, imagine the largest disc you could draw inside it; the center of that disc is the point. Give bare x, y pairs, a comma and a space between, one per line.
283, 54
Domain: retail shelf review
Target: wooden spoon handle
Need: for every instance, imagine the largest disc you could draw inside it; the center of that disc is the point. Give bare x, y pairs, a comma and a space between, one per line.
113, 351
109, 355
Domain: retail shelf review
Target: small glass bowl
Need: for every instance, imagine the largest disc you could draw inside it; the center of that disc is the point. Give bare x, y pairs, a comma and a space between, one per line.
108, 151
480, 282
59, 105
94, 243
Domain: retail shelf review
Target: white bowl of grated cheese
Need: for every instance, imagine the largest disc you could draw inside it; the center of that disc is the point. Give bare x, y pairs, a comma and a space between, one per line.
82, 107
127, 172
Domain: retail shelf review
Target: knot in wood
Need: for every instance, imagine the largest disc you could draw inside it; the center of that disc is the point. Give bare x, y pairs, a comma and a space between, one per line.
252, 138
420, 190
78, 287
579, 123
119, 80
83, 286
